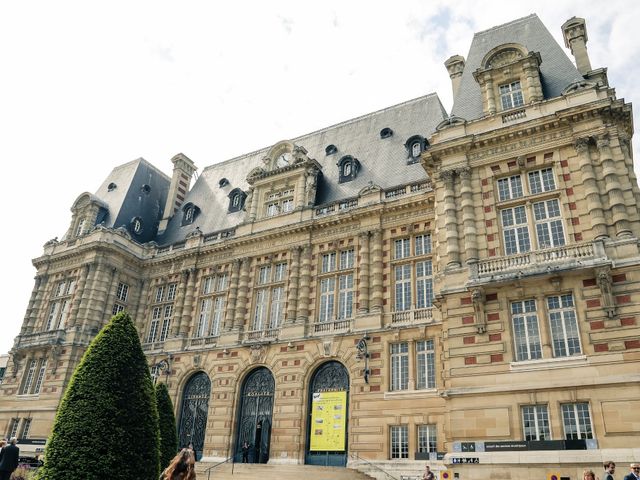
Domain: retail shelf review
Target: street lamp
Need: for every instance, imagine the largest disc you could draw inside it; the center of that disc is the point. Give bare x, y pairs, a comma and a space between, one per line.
163, 366
363, 353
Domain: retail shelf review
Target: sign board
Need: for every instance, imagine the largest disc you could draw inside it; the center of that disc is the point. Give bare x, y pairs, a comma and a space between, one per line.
468, 446
553, 476
328, 421
446, 475
505, 446
465, 460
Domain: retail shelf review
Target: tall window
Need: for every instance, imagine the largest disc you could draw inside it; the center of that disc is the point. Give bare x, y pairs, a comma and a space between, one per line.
162, 312
549, 229
510, 188
336, 286
541, 181
60, 304
511, 95
412, 273
564, 325
26, 427
122, 293
212, 305
515, 230
399, 441
426, 364
399, 366
279, 202
34, 377
427, 441
269, 297
13, 427
525, 330
577, 421
535, 422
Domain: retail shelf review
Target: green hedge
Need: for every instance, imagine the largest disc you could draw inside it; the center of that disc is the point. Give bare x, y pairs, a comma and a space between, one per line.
167, 423
107, 423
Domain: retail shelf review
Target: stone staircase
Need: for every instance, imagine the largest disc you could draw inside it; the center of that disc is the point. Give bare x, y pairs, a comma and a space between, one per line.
250, 471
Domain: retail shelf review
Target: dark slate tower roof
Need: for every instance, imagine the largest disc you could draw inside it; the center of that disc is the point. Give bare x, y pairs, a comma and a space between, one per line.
135, 189
556, 70
383, 162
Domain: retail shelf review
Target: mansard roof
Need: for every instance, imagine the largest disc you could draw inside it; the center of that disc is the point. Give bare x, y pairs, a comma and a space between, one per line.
557, 71
135, 189
383, 161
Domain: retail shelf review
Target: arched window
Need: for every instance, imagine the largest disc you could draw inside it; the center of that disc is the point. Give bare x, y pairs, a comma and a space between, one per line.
137, 225
236, 200
415, 145
189, 213
386, 132
348, 168
330, 149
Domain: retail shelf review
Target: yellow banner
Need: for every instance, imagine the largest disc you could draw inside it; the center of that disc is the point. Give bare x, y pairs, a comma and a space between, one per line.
328, 421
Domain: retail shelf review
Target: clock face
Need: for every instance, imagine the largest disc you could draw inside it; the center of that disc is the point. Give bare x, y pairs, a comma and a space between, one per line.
283, 160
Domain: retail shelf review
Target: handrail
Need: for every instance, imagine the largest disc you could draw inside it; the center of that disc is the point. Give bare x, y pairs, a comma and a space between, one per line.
355, 455
208, 470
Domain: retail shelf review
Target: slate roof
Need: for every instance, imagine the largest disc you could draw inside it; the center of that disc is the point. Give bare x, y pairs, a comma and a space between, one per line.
383, 162
557, 71
129, 200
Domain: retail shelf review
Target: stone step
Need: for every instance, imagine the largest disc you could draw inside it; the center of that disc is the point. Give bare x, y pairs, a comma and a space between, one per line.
249, 471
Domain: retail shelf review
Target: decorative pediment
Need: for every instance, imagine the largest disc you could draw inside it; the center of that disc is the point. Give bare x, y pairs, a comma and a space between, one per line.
505, 54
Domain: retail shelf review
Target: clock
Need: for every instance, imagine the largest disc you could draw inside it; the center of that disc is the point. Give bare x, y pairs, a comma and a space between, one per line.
283, 160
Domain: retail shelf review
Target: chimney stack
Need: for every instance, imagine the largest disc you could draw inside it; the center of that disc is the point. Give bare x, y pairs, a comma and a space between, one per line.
574, 31
183, 169
455, 67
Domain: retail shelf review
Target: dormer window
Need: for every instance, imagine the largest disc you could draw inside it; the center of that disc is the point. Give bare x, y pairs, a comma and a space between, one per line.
189, 213
145, 189
348, 168
386, 132
330, 150
136, 225
223, 182
415, 145
236, 200
111, 187
511, 95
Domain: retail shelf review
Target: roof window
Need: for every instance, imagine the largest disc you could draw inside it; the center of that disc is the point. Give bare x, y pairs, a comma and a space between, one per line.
330, 150
386, 132
111, 187
223, 182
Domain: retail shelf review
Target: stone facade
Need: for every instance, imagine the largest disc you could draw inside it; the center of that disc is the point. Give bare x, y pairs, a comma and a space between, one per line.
494, 299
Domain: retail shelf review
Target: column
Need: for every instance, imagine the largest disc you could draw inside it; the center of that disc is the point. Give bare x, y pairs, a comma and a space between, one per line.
305, 285
233, 295
363, 273
613, 188
450, 220
490, 95
141, 314
591, 190
97, 296
294, 284
187, 310
178, 303
79, 293
376, 274
243, 289
111, 297
468, 216
33, 309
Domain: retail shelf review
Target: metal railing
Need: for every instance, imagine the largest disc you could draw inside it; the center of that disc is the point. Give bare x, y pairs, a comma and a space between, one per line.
212, 467
374, 466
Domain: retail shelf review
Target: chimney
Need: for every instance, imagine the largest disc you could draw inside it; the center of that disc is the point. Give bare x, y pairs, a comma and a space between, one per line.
183, 169
455, 67
574, 31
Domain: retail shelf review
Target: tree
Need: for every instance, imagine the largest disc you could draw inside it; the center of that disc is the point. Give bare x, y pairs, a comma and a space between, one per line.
167, 424
107, 423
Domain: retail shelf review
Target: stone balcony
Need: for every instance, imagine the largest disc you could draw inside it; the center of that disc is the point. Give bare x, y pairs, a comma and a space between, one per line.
409, 317
51, 337
539, 262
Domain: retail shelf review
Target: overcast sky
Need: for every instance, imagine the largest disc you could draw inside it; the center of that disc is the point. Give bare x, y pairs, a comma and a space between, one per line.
86, 86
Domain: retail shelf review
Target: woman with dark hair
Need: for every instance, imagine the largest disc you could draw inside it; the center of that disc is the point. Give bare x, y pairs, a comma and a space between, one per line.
182, 467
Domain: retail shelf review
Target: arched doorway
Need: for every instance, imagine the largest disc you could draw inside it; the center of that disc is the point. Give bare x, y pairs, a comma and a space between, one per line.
327, 419
254, 417
193, 414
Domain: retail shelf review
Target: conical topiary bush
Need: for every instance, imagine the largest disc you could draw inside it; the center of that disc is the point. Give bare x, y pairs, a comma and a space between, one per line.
167, 424
107, 423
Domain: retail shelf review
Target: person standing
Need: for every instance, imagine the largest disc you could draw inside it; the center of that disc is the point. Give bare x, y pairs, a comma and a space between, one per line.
635, 472
609, 470
245, 452
9, 459
428, 474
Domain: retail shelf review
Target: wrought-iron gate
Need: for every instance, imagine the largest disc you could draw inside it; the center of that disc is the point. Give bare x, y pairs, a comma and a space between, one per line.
193, 414
329, 377
254, 420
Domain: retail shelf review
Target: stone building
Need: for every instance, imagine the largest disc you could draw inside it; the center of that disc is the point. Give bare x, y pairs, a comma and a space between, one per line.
406, 285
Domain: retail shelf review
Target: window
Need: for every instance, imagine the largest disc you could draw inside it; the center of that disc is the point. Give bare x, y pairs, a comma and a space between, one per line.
340, 286
189, 213
26, 427
236, 200
269, 300
162, 313
399, 441
279, 202
122, 292
212, 307
80, 227
399, 366
2, 372
515, 230
136, 225
426, 364
427, 441
330, 149
577, 421
548, 221
60, 304
535, 423
541, 181
386, 132
348, 168
416, 149
564, 326
413, 280
40, 378
510, 188
525, 330
117, 308
415, 145
511, 95
13, 427
28, 379
34, 377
